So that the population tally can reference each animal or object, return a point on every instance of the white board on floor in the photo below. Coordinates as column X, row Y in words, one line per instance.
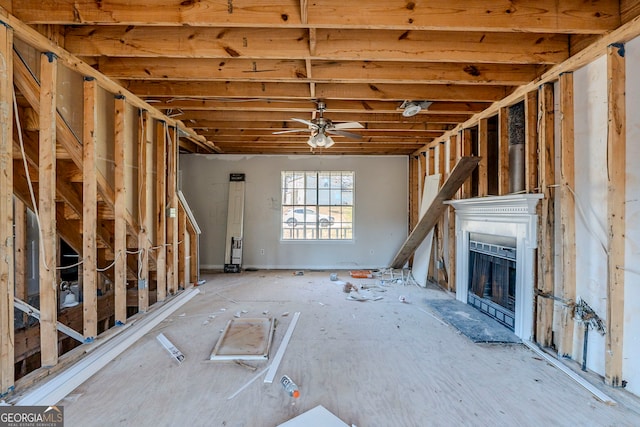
column 421, row 257
column 316, row 417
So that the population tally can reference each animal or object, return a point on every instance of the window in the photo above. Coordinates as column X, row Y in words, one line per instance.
column 317, row 205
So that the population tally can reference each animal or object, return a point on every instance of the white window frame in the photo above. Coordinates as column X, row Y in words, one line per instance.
column 317, row 206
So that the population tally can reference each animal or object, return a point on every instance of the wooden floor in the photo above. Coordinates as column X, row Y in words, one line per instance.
column 375, row 363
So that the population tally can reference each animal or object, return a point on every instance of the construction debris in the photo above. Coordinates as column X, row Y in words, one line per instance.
column 361, row 274
column 172, row 349
column 363, row 296
column 348, row 287
column 244, row 339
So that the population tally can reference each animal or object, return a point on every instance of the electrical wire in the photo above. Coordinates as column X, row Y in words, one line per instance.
column 29, row 183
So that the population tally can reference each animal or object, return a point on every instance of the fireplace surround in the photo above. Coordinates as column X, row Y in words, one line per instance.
column 512, row 216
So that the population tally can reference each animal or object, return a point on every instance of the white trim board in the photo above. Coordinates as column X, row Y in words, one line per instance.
column 283, row 347
column 54, row 390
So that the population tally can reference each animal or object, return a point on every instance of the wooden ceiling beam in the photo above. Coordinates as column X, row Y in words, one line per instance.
column 567, row 16
column 206, row 125
column 176, row 105
column 345, row 45
column 297, row 70
column 231, row 133
column 273, row 116
column 300, row 91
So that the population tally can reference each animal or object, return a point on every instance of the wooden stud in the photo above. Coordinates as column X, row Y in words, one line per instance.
column 530, row 141
column 89, row 212
column 172, row 221
column 414, row 189
column 194, row 261
column 454, row 153
column 143, row 242
column 567, row 214
column 616, row 164
column 466, row 141
column 503, row 151
column 429, row 168
column 20, row 219
column 182, row 247
column 120, row 224
column 483, row 150
column 161, row 210
column 546, row 232
column 7, row 374
column 47, row 211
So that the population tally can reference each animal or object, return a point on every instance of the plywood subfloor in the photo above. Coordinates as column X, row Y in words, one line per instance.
column 373, row 363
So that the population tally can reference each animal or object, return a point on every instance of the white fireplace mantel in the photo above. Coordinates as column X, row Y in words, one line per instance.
column 510, row 216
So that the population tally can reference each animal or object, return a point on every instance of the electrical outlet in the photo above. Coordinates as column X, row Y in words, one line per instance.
column 261, row 251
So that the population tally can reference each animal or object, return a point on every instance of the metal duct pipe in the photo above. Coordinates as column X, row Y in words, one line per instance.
column 516, row 127
column 516, row 168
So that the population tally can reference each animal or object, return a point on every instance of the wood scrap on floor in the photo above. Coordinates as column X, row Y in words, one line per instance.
column 244, row 339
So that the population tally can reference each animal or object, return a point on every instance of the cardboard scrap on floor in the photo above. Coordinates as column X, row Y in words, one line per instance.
column 244, row 339
column 316, row 417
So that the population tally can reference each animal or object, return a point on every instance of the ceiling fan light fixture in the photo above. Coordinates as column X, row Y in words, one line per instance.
column 321, row 139
column 312, row 141
column 411, row 108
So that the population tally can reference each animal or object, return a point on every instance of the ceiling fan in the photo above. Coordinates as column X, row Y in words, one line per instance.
column 321, row 128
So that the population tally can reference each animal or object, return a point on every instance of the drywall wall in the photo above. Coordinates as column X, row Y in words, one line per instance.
column 590, row 106
column 380, row 213
column 631, row 350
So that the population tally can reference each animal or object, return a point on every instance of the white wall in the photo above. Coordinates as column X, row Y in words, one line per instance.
column 631, row 350
column 380, row 212
column 590, row 103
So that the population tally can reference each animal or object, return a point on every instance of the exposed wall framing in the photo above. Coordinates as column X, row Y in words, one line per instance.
column 567, row 287
column 86, row 177
column 616, row 150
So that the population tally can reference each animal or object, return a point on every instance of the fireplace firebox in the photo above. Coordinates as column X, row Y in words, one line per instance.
column 492, row 277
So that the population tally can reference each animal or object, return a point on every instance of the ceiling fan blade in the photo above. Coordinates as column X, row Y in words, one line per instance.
column 290, row 131
column 306, row 122
column 343, row 133
column 347, row 125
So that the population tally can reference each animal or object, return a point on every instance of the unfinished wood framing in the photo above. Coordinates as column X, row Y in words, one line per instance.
column 531, row 141
column 143, row 214
column 567, row 213
column 194, row 253
column 6, row 210
column 20, row 220
column 182, row 251
column 483, row 149
column 89, row 212
column 451, row 231
column 172, row 208
column 616, row 202
column 161, row 209
column 120, row 226
column 414, row 188
column 441, row 159
column 503, row 151
column 47, row 211
column 546, row 231
column 465, row 142
column 458, row 176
